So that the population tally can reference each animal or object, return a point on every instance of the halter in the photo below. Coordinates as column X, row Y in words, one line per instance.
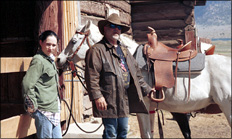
column 73, row 68
column 86, row 37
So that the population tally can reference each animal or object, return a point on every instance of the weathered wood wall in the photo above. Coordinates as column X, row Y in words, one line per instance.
column 21, row 24
column 70, row 23
column 170, row 19
column 16, row 40
column 98, row 10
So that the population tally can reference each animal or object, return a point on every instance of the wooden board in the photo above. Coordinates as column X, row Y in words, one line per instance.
column 123, row 5
column 10, row 110
column 170, row 19
column 165, row 8
column 14, row 64
column 98, row 9
column 191, row 36
column 142, row 17
column 17, row 127
column 159, row 24
column 92, row 8
column 160, row 33
column 70, row 19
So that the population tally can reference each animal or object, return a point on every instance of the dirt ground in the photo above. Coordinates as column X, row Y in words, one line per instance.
column 202, row 126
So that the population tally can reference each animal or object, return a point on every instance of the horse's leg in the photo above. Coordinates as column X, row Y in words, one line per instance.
column 221, row 82
column 225, row 106
column 144, row 121
column 223, row 99
column 182, row 120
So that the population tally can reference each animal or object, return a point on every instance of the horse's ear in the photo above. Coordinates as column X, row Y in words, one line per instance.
column 87, row 25
column 83, row 29
column 80, row 28
column 77, row 30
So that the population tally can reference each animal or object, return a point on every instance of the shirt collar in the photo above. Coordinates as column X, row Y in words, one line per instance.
column 44, row 55
column 110, row 45
column 124, row 49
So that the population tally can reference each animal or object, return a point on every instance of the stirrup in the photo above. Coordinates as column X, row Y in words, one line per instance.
column 157, row 99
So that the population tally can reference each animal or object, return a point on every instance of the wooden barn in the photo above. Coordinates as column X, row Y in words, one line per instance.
column 172, row 20
column 22, row 21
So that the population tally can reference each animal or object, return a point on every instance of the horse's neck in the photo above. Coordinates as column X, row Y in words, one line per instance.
column 95, row 34
column 129, row 43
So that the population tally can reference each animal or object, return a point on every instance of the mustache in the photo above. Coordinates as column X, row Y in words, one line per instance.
column 116, row 36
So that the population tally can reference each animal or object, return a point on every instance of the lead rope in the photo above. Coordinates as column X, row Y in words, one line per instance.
column 161, row 134
column 74, row 73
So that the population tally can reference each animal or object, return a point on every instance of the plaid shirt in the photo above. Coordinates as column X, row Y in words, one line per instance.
column 54, row 118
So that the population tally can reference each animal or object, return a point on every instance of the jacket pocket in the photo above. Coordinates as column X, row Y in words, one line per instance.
column 109, row 74
column 48, row 78
column 50, row 73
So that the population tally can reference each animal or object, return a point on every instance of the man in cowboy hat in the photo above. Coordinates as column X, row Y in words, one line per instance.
column 114, row 81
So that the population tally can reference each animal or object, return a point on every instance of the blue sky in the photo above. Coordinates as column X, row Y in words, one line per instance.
column 214, row 12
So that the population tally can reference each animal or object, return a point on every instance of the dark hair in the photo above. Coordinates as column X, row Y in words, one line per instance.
column 43, row 36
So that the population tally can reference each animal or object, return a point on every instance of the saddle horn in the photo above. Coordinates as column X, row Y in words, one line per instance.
column 151, row 29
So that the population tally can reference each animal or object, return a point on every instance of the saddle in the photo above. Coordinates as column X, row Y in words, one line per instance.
column 163, row 57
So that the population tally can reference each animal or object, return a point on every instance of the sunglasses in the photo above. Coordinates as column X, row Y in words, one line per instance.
column 115, row 26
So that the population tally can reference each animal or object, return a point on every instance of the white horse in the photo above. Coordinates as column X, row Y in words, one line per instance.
column 213, row 85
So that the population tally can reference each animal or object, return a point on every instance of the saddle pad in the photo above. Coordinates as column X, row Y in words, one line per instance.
column 197, row 64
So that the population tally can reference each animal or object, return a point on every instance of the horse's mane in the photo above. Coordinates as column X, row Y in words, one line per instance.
column 129, row 43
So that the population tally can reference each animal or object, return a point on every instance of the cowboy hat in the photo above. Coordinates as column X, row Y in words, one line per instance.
column 114, row 19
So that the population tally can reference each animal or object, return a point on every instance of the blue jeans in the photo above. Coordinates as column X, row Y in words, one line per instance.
column 115, row 127
column 44, row 128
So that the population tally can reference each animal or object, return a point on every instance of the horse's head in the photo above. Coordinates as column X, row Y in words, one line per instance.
column 84, row 37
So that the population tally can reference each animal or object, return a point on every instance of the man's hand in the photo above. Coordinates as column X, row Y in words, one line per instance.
column 30, row 110
column 101, row 103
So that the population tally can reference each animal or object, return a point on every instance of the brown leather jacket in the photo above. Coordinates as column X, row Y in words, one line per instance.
column 103, row 77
